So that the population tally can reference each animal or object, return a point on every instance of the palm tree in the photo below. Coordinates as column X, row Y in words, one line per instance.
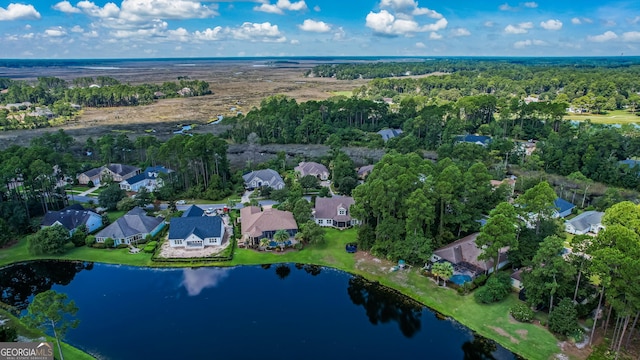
column 442, row 270
column 280, row 237
column 446, row 272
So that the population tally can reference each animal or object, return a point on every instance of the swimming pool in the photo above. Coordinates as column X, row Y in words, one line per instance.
column 460, row 279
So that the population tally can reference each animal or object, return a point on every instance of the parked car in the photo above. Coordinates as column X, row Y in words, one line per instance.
column 180, row 202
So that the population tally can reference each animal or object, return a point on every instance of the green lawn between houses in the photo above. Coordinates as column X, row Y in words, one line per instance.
column 492, row 321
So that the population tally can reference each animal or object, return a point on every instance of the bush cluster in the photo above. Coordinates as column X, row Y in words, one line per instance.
column 498, row 287
column 522, row 312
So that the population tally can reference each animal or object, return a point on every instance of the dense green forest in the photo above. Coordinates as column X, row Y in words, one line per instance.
column 99, row 92
column 563, row 147
column 31, row 176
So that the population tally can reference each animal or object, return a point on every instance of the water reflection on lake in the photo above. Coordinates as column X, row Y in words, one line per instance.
column 195, row 280
column 286, row 311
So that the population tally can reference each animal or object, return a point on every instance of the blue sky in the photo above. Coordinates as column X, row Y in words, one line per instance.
column 193, row 28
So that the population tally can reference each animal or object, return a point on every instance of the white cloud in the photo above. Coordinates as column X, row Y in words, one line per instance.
column 631, row 36
column 578, row 21
column 530, row 4
column 315, row 26
column 66, row 7
column 339, row 34
column 90, row 34
column 460, row 32
column 420, row 45
column 19, row 12
column 55, row 32
column 635, row 20
column 505, row 7
column 408, row 8
column 109, row 10
column 551, row 24
column 280, row 6
column 295, row 42
column 525, row 43
column 264, row 32
column 489, row 24
column 77, row 29
column 435, row 36
column 144, row 10
column 606, row 36
column 384, row 23
column 316, row 8
column 521, row 28
column 217, row 33
column 28, row 36
column 609, row 23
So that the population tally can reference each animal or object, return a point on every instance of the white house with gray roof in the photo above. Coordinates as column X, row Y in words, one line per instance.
column 263, row 178
column 334, row 212
column 196, row 232
column 587, row 222
column 133, row 226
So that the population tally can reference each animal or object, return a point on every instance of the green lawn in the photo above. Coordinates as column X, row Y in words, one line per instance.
column 613, row 117
column 492, row 321
column 68, row 351
column 115, row 215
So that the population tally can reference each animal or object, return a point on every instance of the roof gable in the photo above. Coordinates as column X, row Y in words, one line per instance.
column 563, row 205
column 311, row 168
column 203, row 227
column 327, row 208
column 265, row 175
column 70, row 217
column 466, row 250
column 193, row 211
column 136, row 221
column 256, row 222
column 584, row 221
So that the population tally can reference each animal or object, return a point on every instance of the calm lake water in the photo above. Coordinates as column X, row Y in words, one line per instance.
column 269, row 312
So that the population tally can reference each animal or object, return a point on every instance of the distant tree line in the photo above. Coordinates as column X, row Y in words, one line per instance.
column 99, row 92
column 594, row 84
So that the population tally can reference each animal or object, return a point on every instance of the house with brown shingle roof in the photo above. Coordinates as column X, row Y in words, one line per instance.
column 257, row 224
column 363, row 171
column 463, row 254
column 334, row 212
column 312, row 168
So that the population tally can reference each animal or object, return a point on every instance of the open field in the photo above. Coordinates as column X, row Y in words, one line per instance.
column 239, row 85
column 613, row 117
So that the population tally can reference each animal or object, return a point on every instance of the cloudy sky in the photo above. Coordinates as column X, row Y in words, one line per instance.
column 197, row 28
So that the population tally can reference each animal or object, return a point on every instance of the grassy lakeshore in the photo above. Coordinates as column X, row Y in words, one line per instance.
column 492, row 321
column 68, row 351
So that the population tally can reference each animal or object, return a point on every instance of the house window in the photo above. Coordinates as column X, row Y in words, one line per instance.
column 178, row 242
column 342, row 211
column 321, row 222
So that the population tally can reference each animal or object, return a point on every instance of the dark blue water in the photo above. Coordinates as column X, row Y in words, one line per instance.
column 271, row 312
